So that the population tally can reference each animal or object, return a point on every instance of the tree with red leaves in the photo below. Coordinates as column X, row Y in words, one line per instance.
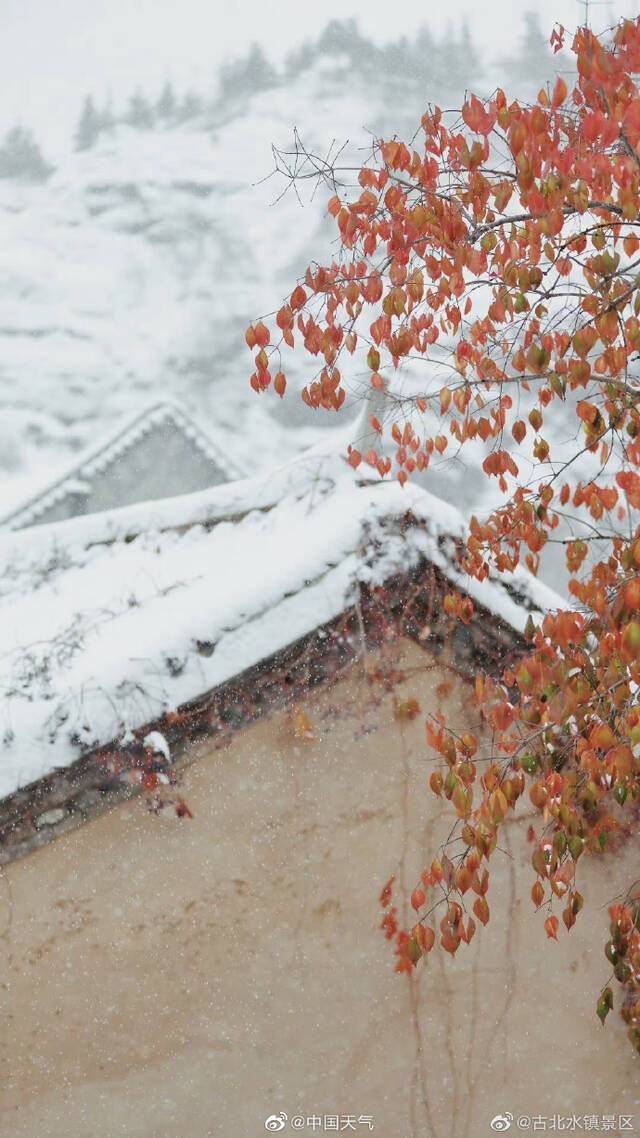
column 504, row 244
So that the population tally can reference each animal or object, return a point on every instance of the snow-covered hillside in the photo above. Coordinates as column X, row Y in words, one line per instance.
column 134, row 270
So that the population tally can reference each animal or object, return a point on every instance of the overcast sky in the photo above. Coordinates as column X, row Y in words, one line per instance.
column 54, row 51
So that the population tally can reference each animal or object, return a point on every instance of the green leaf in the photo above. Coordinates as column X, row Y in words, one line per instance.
column 560, row 843
column 611, row 952
column 604, row 1005
column 620, row 793
column 414, row 952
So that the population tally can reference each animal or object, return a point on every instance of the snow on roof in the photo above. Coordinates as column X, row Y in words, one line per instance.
column 109, row 466
column 110, row 621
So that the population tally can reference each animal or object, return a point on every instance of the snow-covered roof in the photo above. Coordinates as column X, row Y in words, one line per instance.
column 158, row 453
column 109, row 621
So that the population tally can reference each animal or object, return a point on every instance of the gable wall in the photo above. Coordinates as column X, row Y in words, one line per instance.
column 163, row 462
column 183, row 979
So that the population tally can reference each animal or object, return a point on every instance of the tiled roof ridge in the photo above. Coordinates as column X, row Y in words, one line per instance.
column 66, row 797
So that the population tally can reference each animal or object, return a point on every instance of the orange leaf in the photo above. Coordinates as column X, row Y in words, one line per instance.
column 537, row 894
column 477, row 118
column 418, row 898
column 481, row 909
column 298, row 298
column 408, row 709
column 551, row 926
column 467, row 934
column 425, row 937
column 519, row 430
column 262, row 334
column 630, row 483
column 302, row 728
column 385, row 896
column 559, row 93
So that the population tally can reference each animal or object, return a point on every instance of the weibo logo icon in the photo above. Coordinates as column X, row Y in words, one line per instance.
column 276, row 1122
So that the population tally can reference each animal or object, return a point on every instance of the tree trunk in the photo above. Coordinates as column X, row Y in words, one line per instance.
column 365, row 437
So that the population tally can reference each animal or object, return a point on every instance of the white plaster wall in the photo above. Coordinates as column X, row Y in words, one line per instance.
column 184, row 979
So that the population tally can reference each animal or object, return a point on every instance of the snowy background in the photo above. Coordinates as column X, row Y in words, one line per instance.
column 138, row 233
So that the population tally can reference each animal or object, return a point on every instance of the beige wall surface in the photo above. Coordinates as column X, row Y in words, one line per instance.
column 166, row 978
